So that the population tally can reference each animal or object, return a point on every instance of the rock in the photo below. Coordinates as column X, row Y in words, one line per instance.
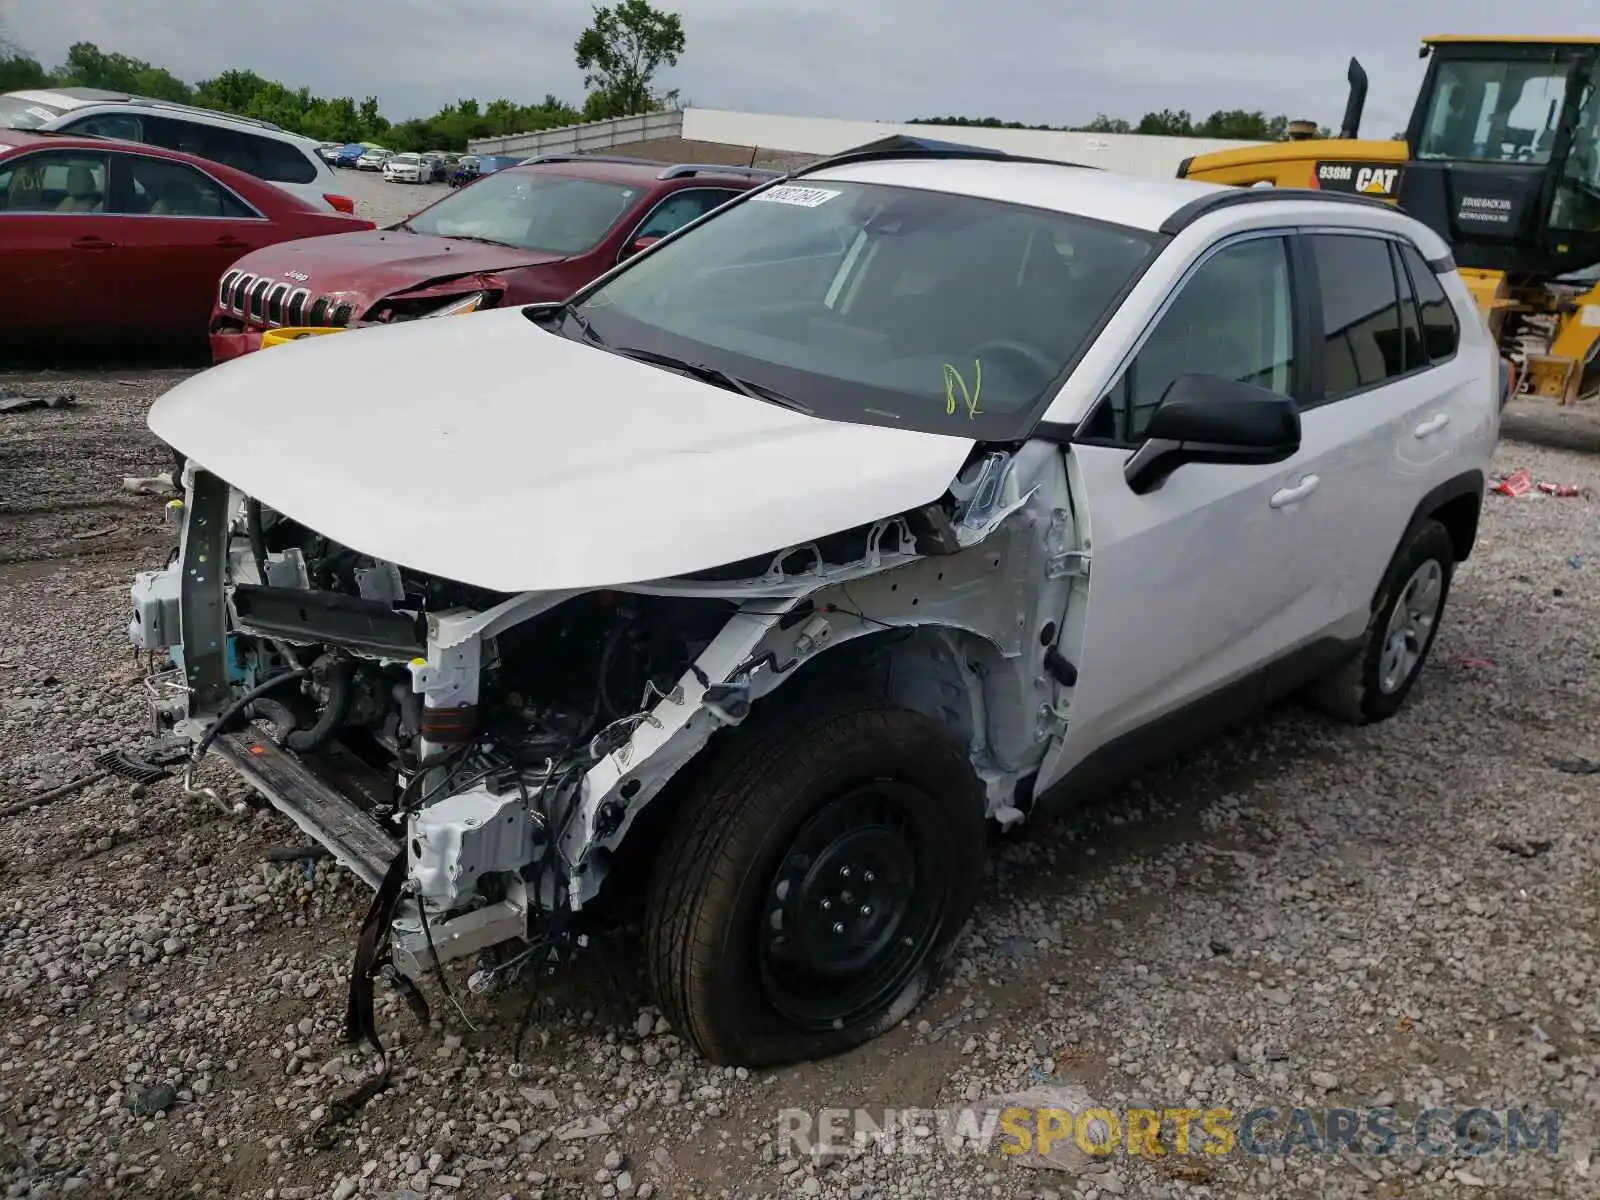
column 582, row 1128
column 155, row 1100
column 346, row 1188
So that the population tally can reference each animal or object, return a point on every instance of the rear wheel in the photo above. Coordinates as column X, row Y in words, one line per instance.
column 812, row 883
column 1373, row 685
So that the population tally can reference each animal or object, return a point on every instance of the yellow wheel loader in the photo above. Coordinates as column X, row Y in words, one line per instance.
column 1502, row 159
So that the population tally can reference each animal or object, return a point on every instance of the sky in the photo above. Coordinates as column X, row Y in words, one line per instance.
column 1036, row 61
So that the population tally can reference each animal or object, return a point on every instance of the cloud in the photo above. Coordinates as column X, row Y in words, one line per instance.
column 1027, row 60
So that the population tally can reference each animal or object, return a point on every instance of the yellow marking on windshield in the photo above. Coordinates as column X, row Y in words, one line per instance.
column 969, row 399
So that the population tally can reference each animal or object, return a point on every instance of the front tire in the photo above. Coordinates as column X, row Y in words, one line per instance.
column 1374, row 684
column 812, row 883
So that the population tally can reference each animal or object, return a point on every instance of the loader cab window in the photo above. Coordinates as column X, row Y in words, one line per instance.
column 1483, row 111
column 1576, row 207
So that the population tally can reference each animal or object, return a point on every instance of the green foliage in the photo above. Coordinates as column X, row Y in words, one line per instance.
column 329, row 119
column 620, row 54
column 1232, row 125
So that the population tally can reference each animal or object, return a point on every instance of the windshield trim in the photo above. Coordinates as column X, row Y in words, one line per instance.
column 1025, row 422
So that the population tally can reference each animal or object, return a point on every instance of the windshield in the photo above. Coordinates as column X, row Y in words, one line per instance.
column 1493, row 111
column 407, row 158
column 17, row 113
column 532, row 210
column 884, row 305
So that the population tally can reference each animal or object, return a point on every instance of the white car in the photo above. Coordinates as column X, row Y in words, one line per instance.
column 374, row 160
column 898, row 500
column 256, row 147
column 407, row 168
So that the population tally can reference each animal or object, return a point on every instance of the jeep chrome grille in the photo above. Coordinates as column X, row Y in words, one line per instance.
column 261, row 300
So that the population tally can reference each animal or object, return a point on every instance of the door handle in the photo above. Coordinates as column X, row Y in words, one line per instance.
column 1432, row 425
column 228, row 242
column 90, row 242
column 1287, row 496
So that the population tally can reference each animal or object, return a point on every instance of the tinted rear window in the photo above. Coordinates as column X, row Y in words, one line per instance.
column 1362, row 338
column 264, row 157
column 1441, row 334
column 282, row 162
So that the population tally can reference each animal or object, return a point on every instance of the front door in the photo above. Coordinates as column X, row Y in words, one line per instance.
column 1199, row 583
column 61, row 248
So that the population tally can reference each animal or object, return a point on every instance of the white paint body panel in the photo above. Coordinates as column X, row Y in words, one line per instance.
column 546, row 464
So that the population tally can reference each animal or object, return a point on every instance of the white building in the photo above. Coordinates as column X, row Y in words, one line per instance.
column 765, row 135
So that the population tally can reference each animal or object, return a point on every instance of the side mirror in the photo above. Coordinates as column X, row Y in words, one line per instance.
column 640, row 243
column 1202, row 418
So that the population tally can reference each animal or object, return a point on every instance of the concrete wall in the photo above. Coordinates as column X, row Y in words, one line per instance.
column 584, row 139
column 773, row 139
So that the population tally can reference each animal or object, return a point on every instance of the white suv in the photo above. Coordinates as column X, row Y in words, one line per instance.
column 902, row 498
column 256, row 147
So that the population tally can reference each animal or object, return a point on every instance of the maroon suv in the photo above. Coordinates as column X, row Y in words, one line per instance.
column 529, row 233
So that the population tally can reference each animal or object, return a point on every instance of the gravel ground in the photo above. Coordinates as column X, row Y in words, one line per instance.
column 1305, row 914
column 378, row 200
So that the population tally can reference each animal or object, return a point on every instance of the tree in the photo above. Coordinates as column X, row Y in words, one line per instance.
column 620, row 54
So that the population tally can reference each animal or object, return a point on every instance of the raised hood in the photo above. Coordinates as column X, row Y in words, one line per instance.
column 485, row 450
column 378, row 262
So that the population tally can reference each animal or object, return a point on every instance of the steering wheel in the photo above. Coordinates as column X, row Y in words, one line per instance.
column 1015, row 350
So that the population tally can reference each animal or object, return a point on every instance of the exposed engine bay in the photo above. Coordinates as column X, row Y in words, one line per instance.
column 480, row 756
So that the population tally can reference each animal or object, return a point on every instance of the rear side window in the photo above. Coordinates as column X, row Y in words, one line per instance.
column 1441, row 332
column 173, row 189
column 226, row 146
column 281, row 162
column 1363, row 341
column 1412, row 355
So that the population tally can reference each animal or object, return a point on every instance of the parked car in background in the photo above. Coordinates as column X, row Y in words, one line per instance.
column 373, row 159
column 534, row 232
column 328, row 152
column 258, row 148
column 900, row 503
column 437, row 168
column 349, row 154
column 407, row 168
column 109, row 242
column 465, row 170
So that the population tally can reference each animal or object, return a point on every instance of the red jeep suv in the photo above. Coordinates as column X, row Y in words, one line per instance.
column 534, row 232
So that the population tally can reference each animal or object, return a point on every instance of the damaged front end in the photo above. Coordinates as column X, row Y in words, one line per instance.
column 484, row 755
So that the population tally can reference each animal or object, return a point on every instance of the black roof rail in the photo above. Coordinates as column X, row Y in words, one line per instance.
column 901, row 146
column 1231, row 197
column 680, row 170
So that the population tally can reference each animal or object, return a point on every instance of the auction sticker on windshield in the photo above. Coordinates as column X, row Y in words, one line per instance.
column 803, row 196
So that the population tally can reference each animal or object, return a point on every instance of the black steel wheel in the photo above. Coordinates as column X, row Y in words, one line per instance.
column 812, row 881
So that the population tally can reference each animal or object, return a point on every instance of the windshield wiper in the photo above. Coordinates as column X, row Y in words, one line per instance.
column 403, row 227
column 719, row 377
column 472, row 237
column 583, row 323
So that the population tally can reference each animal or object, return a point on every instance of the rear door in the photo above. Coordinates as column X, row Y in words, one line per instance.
column 61, row 249
column 1380, row 427
column 1199, row 584
column 184, row 229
